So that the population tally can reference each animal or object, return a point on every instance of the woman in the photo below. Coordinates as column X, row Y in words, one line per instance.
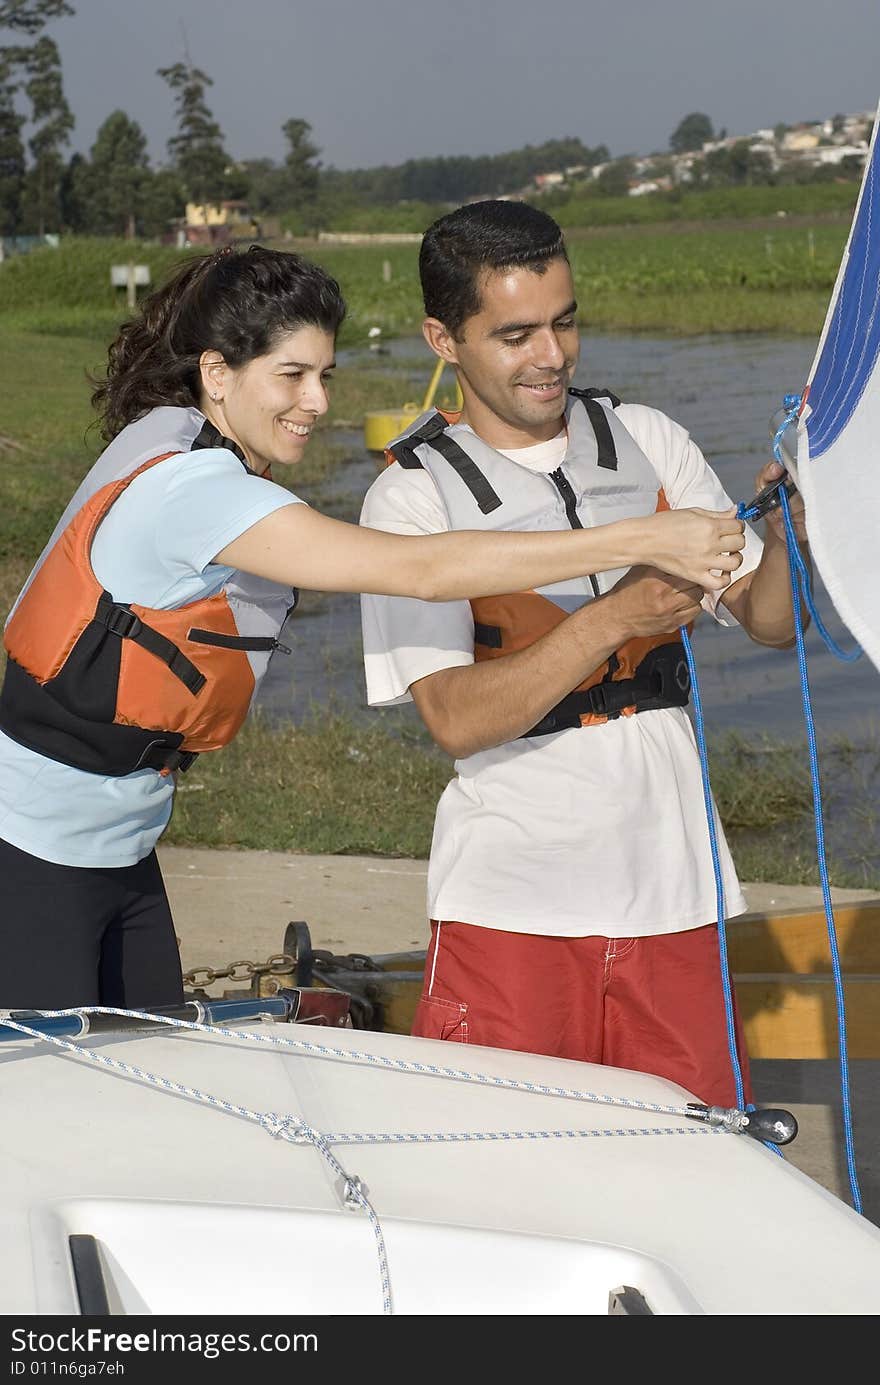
column 142, row 633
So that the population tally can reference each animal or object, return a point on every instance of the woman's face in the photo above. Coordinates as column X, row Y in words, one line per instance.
column 270, row 406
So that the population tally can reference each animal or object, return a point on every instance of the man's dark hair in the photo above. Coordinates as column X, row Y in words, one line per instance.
column 481, row 236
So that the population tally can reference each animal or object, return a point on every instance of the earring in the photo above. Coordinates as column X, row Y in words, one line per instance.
column 215, row 397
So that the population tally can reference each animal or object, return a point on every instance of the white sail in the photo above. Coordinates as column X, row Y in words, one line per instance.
column 838, row 450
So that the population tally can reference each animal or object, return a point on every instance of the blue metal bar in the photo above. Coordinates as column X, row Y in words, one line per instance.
column 78, row 1024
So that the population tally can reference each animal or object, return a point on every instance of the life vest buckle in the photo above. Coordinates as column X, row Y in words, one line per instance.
column 121, row 621
column 609, row 699
column 430, row 429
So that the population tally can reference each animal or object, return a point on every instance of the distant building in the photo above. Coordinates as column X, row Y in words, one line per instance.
column 836, row 153
column 549, row 180
column 800, row 139
column 216, row 223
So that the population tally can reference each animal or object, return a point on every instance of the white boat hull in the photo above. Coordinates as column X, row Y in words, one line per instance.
column 198, row 1211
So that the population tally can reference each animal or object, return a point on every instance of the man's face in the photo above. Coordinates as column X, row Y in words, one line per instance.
column 517, row 355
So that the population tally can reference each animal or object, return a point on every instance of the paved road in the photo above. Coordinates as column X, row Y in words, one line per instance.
column 236, row 904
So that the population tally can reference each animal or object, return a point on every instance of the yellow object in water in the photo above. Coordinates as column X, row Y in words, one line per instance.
column 382, row 425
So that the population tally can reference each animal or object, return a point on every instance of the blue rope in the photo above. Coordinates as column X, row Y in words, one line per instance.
column 721, row 910
column 792, row 403
column 796, row 568
column 801, row 587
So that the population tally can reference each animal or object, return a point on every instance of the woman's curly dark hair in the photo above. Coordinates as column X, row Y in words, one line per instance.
column 234, row 302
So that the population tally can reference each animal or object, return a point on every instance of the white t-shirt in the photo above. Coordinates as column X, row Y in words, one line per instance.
column 155, row 548
column 597, row 830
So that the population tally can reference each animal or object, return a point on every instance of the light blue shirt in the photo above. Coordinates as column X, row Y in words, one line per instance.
column 155, row 547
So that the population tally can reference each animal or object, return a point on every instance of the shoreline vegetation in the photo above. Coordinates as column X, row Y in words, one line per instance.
column 314, row 786
column 756, row 275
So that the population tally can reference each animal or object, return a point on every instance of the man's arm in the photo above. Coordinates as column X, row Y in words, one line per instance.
column 761, row 601
column 471, row 708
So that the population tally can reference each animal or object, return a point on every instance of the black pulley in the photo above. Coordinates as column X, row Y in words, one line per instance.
column 773, row 1125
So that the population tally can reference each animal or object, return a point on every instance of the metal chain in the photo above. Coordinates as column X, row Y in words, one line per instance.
column 278, row 964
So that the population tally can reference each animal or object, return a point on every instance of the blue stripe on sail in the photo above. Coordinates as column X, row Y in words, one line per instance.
column 852, row 343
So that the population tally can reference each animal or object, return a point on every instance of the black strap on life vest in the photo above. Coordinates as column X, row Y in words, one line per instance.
column 601, row 428
column 120, row 620
column 662, row 679
column 209, row 436
column 487, row 635
column 31, row 715
column 433, row 432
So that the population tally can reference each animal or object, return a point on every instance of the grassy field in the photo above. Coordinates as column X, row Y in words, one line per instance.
column 316, row 787
column 754, row 277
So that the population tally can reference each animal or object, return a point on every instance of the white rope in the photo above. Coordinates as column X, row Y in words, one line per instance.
column 377, row 1060
column 296, row 1131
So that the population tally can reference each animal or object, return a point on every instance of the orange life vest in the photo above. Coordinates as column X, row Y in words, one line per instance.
column 113, row 687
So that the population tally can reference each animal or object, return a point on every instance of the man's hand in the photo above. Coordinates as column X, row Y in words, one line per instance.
column 651, row 602
column 761, row 601
column 774, row 519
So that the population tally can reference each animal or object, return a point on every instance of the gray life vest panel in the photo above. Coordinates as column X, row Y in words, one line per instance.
column 603, row 477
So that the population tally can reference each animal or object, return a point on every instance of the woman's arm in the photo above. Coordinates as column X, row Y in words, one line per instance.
column 299, row 546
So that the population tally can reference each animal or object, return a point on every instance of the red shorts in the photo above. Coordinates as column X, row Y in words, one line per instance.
column 654, row 1004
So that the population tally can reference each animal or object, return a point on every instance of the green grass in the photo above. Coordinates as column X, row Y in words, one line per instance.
column 331, row 785
column 811, row 201
column 326, row 786
column 764, row 795
column 679, row 279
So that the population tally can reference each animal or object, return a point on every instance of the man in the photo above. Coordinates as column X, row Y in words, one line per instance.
column 571, row 891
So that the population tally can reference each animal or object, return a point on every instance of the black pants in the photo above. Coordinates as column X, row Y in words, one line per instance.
column 83, row 935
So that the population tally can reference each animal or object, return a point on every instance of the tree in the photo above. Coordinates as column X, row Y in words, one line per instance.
column 164, row 199
column 691, row 132
column 615, row 178
column 12, row 161
column 197, row 149
column 739, row 165
column 30, row 16
column 301, row 168
column 53, row 122
column 263, row 179
column 118, row 175
column 36, row 62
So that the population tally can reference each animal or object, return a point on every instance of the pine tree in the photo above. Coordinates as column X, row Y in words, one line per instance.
column 30, row 16
column 301, row 171
column 33, row 198
column 53, row 121
column 118, row 176
column 197, row 149
column 12, row 159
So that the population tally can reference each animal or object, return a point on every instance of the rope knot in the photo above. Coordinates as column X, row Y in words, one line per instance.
column 289, row 1128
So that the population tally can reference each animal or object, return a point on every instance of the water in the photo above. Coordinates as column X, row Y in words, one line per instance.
column 724, row 389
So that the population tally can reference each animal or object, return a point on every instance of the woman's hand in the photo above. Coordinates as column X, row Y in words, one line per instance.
column 702, row 546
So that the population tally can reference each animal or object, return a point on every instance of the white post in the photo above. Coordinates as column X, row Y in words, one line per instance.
column 129, row 285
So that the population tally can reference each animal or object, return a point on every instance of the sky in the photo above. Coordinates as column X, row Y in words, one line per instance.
column 382, row 81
